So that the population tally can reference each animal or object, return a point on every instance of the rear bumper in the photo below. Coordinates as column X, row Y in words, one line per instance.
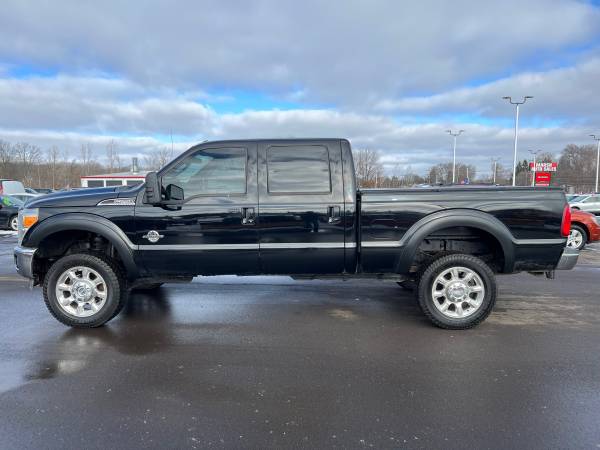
column 568, row 259
column 24, row 261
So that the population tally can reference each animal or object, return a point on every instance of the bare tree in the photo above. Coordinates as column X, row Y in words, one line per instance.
column 7, row 155
column 158, row 158
column 114, row 161
column 369, row 169
column 86, row 153
column 53, row 163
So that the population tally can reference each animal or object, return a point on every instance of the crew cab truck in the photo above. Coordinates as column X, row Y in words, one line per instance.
column 250, row 207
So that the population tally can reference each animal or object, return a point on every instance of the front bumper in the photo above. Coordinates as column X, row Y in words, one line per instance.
column 568, row 259
column 24, row 261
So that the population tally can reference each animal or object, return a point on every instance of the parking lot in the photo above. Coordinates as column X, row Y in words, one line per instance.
column 272, row 362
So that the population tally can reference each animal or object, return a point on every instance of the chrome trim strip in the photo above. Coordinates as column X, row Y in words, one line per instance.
column 268, row 245
column 200, row 247
column 539, row 241
column 275, row 245
column 126, row 201
column 388, row 244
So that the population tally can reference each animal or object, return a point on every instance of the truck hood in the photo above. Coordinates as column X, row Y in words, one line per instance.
column 80, row 197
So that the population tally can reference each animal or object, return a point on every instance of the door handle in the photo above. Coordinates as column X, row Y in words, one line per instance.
column 334, row 214
column 248, row 217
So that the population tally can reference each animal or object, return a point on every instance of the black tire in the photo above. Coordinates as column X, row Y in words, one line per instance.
column 13, row 223
column 583, row 234
column 116, row 289
column 437, row 267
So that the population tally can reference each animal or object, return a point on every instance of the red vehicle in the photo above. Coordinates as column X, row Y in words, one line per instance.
column 585, row 228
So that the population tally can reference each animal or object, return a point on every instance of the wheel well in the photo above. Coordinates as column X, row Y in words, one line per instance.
column 67, row 242
column 468, row 240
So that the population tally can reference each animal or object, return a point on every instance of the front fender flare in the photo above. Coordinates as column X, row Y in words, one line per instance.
column 86, row 222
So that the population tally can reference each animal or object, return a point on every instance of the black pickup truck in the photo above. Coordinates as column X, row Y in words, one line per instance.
column 288, row 207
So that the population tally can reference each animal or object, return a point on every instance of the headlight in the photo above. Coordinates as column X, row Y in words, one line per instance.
column 596, row 219
column 27, row 218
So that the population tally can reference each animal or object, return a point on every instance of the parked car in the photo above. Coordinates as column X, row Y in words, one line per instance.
column 40, row 190
column 585, row 228
column 25, row 197
column 286, row 207
column 8, row 187
column 588, row 202
column 9, row 211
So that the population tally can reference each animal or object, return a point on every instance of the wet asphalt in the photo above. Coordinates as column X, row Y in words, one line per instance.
column 269, row 362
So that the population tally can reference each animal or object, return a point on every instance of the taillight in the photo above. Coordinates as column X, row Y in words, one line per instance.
column 565, row 227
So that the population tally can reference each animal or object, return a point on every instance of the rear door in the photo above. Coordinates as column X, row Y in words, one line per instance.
column 300, row 207
column 215, row 231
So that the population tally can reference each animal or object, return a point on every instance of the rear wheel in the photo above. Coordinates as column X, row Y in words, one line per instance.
column 84, row 291
column 577, row 237
column 457, row 291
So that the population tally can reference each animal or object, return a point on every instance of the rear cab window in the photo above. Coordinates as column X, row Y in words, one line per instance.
column 300, row 169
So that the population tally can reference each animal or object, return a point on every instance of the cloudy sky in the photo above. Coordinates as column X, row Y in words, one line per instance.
column 388, row 75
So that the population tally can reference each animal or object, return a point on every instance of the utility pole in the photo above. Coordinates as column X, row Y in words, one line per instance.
column 597, row 139
column 454, row 135
column 495, row 161
column 517, row 104
column 533, row 172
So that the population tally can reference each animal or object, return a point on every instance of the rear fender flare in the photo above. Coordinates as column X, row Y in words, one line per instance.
column 454, row 218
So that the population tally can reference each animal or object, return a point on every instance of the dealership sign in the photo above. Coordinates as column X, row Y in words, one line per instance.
column 542, row 178
column 543, row 167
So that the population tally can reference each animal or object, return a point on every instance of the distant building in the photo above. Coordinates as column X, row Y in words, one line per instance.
column 113, row 179
column 131, row 178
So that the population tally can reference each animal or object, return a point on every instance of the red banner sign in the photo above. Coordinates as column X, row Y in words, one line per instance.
column 543, row 178
column 543, row 167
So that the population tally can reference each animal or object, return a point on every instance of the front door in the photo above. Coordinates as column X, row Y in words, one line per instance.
column 215, row 232
column 301, row 205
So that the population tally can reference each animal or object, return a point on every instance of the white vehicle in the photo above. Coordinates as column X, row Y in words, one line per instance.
column 587, row 202
column 9, row 187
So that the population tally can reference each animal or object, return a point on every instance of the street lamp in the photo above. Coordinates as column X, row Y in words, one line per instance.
column 517, row 104
column 454, row 134
column 495, row 161
column 597, row 138
column 533, row 172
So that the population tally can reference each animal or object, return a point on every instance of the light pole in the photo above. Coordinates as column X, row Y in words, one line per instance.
column 454, row 134
column 597, row 139
column 517, row 104
column 533, row 172
column 495, row 161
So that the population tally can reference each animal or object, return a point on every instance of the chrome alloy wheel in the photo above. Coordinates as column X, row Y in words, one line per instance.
column 575, row 238
column 458, row 292
column 81, row 291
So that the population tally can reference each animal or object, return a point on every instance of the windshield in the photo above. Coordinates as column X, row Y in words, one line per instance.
column 578, row 198
column 11, row 201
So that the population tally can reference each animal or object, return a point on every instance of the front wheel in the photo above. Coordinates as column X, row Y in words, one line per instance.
column 13, row 223
column 577, row 237
column 84, row 291
column 457, row 291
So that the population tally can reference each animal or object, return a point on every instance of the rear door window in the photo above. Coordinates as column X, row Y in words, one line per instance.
column 299, row 169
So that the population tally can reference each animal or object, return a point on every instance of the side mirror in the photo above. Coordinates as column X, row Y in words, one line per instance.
column 153, row 191
column 174, row 193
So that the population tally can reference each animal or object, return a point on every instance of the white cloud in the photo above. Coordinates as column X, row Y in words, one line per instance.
column 345, row 53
